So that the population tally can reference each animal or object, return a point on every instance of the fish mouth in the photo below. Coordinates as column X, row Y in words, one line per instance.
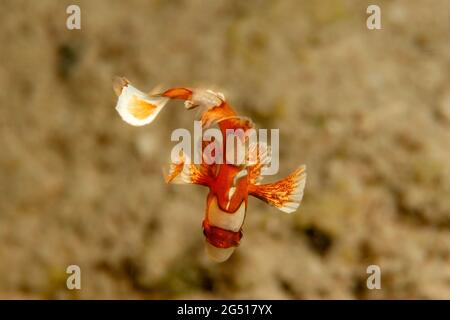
column 226, row 220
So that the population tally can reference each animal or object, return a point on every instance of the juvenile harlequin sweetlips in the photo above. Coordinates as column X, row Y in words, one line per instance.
column 229, row 184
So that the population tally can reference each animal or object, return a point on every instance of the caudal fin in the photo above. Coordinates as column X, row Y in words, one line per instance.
column 134, row 106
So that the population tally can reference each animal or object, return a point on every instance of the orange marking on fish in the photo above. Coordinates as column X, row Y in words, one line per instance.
column 178, row 93
column 140, row 108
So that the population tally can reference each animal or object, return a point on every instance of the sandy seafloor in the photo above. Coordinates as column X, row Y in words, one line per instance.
column 368, row 112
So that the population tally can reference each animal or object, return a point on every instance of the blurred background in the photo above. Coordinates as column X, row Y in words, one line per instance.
column 368, row 111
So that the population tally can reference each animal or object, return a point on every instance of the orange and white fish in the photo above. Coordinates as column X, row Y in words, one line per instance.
column 229, row 184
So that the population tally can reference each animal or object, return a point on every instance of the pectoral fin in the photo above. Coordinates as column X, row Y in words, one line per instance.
column 285, row 194
column 185, row 172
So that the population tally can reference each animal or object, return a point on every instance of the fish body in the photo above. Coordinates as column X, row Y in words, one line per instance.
column 229, row 183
